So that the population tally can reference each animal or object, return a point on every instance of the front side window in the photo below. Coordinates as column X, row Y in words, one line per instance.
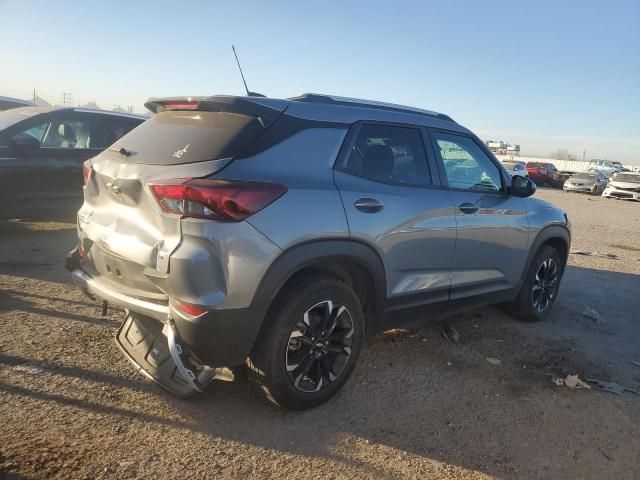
column 466, row 165
column 389, row 154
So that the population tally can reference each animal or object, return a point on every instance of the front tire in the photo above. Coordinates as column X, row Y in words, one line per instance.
column 540, row 288
column 310, row 343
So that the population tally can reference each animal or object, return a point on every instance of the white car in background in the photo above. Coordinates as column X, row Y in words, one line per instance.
column 516, row 167
column 624, row 185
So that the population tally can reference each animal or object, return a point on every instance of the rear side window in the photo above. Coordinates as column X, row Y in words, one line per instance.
column 174, row 137
column 466, row 165
column 389, row 154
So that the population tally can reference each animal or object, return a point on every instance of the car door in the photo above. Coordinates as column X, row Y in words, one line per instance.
column 46, row 181
column 492, row 226
column 392, row 203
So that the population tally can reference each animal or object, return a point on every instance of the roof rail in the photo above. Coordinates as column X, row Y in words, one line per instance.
column 357, row 102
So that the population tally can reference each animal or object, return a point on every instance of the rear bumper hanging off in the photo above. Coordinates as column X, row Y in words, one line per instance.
column 155, row 349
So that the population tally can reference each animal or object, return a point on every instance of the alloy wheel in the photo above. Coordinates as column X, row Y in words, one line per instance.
column 319, row 346
column 545, row 285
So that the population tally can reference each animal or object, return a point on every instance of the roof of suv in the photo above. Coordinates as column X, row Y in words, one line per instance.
column 361, row 103
column 316, row 107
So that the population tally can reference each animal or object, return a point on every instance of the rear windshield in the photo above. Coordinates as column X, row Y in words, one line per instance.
column 175, row 137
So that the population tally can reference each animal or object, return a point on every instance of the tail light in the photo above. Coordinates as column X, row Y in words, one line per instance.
column 222, row 200
column 86, row 171
column 181, row 105
column 189, row 309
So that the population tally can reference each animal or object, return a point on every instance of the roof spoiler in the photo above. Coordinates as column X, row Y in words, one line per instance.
column 249, row 106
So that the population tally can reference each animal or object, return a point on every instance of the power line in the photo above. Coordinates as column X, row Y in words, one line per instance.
column 66, row 98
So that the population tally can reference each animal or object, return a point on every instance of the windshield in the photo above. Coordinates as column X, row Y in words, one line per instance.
column 617, row 164
column 512, row 165
column 627, row 178
column 15, row 115
column 584, row 176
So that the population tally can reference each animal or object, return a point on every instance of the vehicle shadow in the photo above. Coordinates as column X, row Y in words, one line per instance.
column 36, row 249
column 415, row 394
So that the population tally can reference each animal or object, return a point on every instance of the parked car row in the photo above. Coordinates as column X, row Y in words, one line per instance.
column 603, row 177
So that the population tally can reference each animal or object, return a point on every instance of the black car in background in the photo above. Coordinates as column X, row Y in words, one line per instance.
column 42, row 150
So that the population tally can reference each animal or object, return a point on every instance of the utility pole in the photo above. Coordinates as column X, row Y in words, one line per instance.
column 34, row 94
column 66, row 98
column 584, row 155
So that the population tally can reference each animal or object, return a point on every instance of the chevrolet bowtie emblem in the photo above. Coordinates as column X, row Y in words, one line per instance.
column 113, row 187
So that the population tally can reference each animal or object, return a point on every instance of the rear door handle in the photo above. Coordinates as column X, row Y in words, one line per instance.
column 368, row 205
column 468, row 208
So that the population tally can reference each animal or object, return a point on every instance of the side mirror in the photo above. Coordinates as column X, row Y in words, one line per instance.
column 522, row 187
column 23, row 144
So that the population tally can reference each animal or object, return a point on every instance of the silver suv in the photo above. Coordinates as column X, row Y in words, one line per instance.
column 279, row 233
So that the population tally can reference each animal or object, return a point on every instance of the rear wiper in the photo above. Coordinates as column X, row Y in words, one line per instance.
column 121, row 151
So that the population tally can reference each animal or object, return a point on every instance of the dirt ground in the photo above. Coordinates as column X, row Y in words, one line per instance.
column 417, row 406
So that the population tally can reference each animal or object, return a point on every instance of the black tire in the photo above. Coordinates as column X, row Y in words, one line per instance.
column 281, row 343
column 528, row 305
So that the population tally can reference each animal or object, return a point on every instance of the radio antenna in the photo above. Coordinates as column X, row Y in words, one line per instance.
column 240, row 68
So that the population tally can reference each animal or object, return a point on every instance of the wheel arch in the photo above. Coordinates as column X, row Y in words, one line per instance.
column 557, row 236
column 354, row 262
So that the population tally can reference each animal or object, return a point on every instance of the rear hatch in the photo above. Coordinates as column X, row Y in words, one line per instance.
column 125, row 234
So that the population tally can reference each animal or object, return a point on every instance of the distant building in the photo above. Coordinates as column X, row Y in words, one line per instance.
column 503, row 148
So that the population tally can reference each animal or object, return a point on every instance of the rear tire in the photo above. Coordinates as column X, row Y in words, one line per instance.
column 540, row 288
column 309, row 344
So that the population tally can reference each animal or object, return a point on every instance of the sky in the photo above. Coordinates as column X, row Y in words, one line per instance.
column 548, row 75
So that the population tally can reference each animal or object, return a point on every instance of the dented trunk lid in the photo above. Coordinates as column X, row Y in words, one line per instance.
column 127, row 239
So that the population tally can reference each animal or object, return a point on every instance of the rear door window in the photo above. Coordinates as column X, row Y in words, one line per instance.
column 175, row 136
column 389, row 154
column 75, row 131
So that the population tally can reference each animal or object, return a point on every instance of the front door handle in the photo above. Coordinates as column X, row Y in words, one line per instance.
column 468, row 208
column 368, row 205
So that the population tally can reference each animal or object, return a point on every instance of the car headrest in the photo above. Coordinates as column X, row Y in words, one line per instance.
column 66, row 132
column 379, row 162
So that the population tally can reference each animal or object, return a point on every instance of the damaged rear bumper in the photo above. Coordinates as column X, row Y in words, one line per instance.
column 151, row 337
column 98, row 289
column 156, row 351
